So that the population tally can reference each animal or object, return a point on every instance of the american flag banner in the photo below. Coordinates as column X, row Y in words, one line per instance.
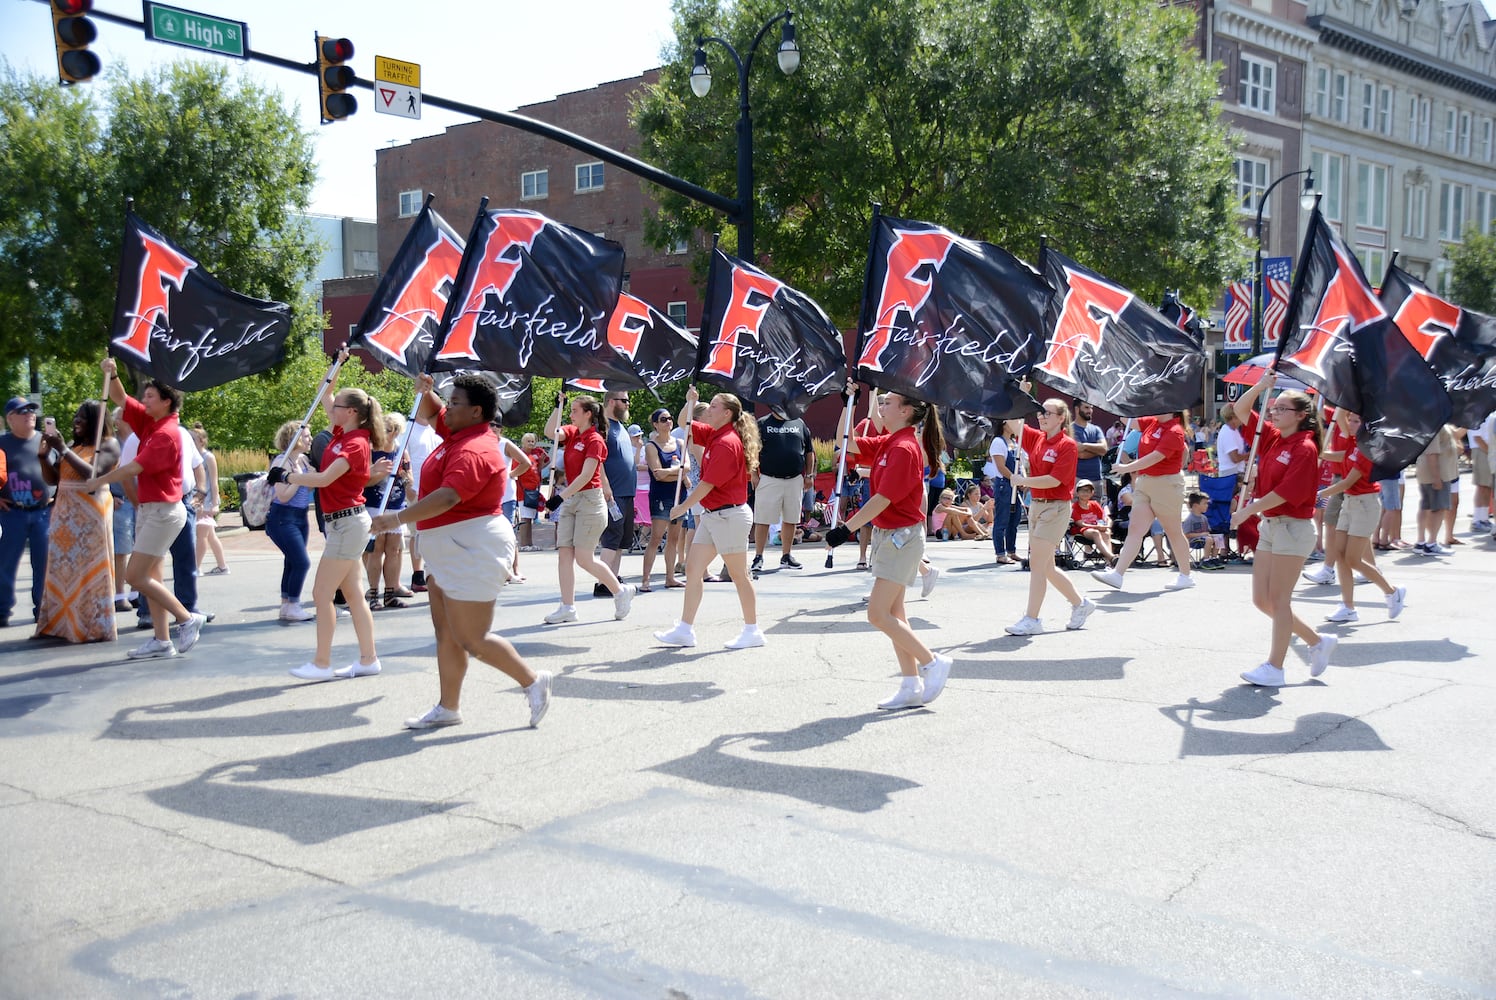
column 1239, row 317
column 1278, row 275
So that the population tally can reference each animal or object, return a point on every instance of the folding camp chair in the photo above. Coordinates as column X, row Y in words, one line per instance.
column 1221, row 490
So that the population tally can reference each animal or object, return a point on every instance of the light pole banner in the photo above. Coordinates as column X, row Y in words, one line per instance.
column 1277, row 273
column 1238, row 328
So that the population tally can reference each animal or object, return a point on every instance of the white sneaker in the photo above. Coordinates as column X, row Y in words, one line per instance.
column 1435, row 549
column 1324, row 576
column 189, row 630
column 681, row 635
column 911, row 694
column 1026, row 626
column 1342, row 614
column 1361, row 578
column 1109, row 577
column 751, row 637
column 1080, row 613
column 357, row 669
column 153, row 649
column 1395, row 601
column 933, row 675
column 438, row 716
column 1319, row 654
column 564, row 613
column 539, row 696
column 623, row 600
column 312, row 672
column 1181, row 582
column 1266, row 675
column 928, row 583
column 296, row 613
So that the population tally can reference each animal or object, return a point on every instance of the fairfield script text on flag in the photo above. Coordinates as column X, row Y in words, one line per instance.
column 179, row 324
column 661, row 351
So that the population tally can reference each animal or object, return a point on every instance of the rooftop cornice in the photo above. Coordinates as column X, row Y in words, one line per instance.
column 1348, row 38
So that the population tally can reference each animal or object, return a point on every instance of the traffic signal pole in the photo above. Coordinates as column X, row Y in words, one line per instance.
column 622, row 161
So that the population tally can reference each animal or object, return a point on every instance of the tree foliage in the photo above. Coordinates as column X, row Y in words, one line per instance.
column 1090, row 121
column 217, row 163
column 1473, row 271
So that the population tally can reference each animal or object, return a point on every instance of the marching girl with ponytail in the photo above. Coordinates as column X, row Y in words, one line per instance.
column 729, row 437
column 896, row 511
column 1287, row 482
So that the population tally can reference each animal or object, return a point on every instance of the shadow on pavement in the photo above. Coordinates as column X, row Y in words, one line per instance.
column 835, row 787
column 22, row 704
column 684, row 692
column 127, row 726
column 1095, row 668
column 1351, row 653
column 1318, row 732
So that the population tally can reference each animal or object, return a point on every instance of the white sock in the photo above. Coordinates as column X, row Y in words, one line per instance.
column 1482, row 513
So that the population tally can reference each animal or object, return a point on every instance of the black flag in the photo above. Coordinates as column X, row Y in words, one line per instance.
column 661, row 351
column 400, row 324
column 947, row 319
column 1339, row 339
column 1112, row 350
column 765, row 342
column 515, row 398
column 1459, row 343
column 177, row 323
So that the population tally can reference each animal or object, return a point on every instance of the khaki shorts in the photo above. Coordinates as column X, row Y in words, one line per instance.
column 1048, row 520
column 777, row 501
column 1333, row 506
column 725, row 530
column 1480, row 466
column 1359, row 515
column 347, row 536
column 898, row 564
column 1286, row 536
column 157, row 525
column 469, row 560
column 582, row 520
column 1163, row 493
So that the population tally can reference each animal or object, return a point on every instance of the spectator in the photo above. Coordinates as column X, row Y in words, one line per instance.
column 384, row 552
column 1449, row 470
column 1089, row 520
column 25, row 506
column 287, row 524
column 123, row 493
column 78, row 604
column 787, row 465
column 205, row 523
column 1006, row 507
column 1090, row 443
column 1433, row 492
column 530, row 500
column 1480, row 472
column 623, row 481
column 960, row 521
column 419, row 446
column 663, row 458
column 1231, row 449
column 1197, row 527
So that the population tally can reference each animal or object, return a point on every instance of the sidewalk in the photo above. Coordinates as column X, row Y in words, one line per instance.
column 1100, row 812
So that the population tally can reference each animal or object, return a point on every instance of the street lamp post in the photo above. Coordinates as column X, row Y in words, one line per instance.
column 701, row 83
column 1306, row 202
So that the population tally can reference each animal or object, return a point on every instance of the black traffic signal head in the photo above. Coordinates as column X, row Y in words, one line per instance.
column 333, row 78
column 73, row 33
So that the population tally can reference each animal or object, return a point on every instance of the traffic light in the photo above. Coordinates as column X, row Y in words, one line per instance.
column 333, row 78
column 72, row 32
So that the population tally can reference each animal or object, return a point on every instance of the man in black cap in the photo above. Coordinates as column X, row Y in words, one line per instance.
column 25, row 506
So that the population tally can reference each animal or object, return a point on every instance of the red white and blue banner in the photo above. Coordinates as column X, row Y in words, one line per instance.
column 177, row 323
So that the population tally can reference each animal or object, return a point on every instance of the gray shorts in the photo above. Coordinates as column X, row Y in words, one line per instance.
column 1433, row 497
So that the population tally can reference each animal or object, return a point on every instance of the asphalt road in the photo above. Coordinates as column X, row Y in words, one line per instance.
column 1107, row 812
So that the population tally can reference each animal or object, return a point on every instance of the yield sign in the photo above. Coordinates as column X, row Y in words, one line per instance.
column 397, row 99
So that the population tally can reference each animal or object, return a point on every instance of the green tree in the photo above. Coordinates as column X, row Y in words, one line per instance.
column 1473, row 271
column 216, row 162
column 1091, row 121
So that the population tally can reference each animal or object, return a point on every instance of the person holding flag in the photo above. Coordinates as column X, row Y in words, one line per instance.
column 896, row 510
column 1287, row 483
column 1157, row 493
column 1360, row 510
column 161, row 515
column 1050, row 478
column 469, row 545
column 357, row 429
column 728, row 435
column 583, row 507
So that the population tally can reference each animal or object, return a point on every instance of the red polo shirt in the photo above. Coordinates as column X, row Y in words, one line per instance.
column 1051, row 456
column 1355, row 458
column 348, row 489
column 469, row 462
column 1166, row 436
column 530, row 478
column 1289, row 467
column 160, row 454
column 898, row 472
column 577, row 446
column 722, row 464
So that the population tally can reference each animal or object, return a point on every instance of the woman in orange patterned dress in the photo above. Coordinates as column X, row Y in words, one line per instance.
column 78, row 604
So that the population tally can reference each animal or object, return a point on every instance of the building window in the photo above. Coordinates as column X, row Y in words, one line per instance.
column 1371, row 195
column 1256, row 85
column 1251, row 183
column 1450, row 117
column 1485, row 212
column 589, row 177
column 1485, row 140
column 1462, row 135
column 1384, row 110
column 1340, row 86
column 1415, row 211
column 679, row 247
column 1368, row 105
column 535, row 184
column 677, row 313
column 1451, row 211
column 410, row 203
column 1420, row 116
column 1329, row 178
column 1373, row 264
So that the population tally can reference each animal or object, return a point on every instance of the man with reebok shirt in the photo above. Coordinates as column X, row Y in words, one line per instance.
column 786, row 466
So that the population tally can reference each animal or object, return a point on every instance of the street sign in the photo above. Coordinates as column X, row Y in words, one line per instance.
column 397, row 87
column 196, row 31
